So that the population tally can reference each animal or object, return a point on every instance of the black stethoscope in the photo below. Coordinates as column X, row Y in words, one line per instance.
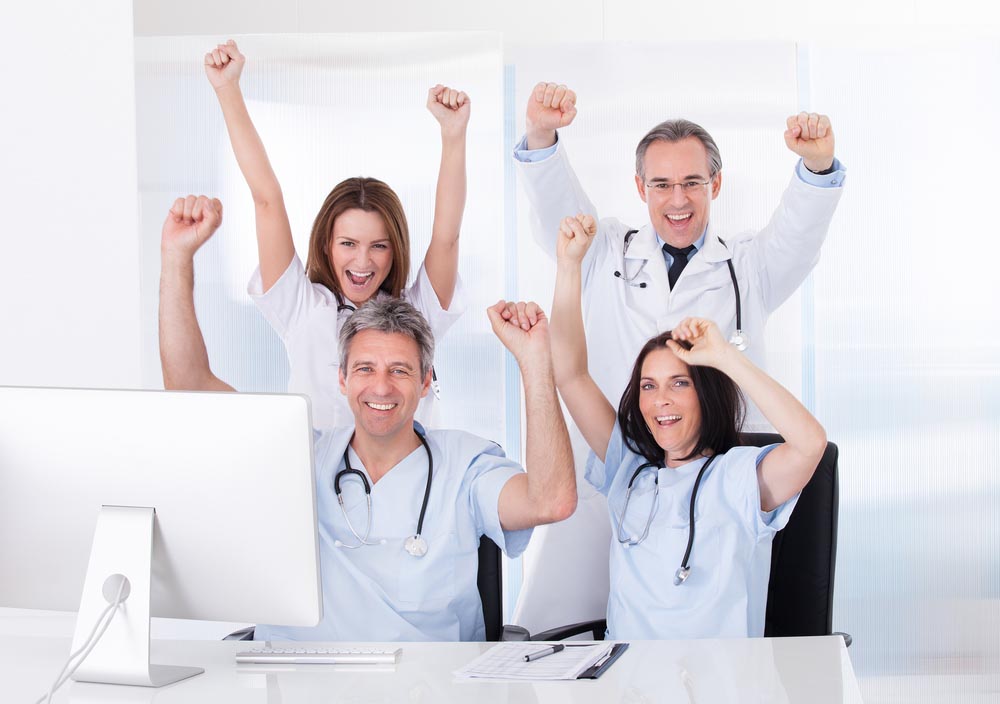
column 435, row 386
column 685, row 569
column 415, row 544
column 739, row 339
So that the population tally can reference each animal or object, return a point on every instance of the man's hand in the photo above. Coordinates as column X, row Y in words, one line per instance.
column 189, row 224
column 524, row 330
column 575, row 237
column 811, row 137
column 550, row 106
column 450, row 107
column 224, row 64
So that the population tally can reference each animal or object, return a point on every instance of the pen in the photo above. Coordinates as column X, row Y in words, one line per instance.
column 542, row 653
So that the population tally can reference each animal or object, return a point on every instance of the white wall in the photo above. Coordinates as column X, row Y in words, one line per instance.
column 69, row 278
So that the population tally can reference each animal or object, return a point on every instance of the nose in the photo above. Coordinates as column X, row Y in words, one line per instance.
column 382, row 383
column 677, row 195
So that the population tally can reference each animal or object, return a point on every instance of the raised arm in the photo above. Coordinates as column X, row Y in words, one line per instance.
column 551, row 186
column 189, row 224
column 451, row 109
column 547, row 493
column 789, row 245
column 275, row 248
column 592, row 412
column 787, row 469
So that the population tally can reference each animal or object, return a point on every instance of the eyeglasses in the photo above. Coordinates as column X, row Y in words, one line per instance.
column 689, row 187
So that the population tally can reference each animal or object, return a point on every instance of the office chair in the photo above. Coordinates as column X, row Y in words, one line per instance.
column 803, row 561
column 489, row 579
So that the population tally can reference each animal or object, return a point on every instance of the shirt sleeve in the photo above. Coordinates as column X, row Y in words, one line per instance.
column 602, row 474
column 288, row 302
column 528, row 156
column 488, row 473
column 421, row 296
column 745, row 464
column 834, row 179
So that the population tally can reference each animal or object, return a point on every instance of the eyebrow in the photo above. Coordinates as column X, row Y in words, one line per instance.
column 352, row 239
column 370, row 363
column 674, row 376
column 689, row 177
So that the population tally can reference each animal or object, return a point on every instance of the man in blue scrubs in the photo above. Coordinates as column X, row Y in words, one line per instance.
column 380, row 581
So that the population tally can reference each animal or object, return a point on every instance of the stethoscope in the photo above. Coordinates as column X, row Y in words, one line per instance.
column 435, row 385
column 739, row 339
column 415, row 544
column 685, row 569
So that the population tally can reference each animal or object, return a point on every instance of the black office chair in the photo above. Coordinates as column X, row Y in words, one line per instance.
column 803, row 561
column 489, row 579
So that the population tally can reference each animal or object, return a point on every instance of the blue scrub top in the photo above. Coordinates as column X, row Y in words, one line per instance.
column 381, row 592
column 726, row 593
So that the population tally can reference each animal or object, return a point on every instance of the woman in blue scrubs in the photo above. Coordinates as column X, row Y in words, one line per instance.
column 677, row 426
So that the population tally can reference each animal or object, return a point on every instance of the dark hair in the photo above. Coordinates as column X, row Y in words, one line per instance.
column 371, row 196
column 719, row 398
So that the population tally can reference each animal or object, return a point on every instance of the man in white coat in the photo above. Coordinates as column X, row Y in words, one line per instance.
column 642, row 280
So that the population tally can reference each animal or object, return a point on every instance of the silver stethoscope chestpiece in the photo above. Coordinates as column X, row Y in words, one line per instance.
column 740, row 340
column 415, row 545
column 681, row 575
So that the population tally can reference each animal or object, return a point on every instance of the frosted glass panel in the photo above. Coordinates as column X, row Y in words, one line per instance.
column 327, row 107
column 908, row 355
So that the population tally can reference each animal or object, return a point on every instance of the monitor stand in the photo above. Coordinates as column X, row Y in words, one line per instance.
column 123, row 546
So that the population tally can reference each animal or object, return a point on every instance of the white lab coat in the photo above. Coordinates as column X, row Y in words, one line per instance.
column 619, row 318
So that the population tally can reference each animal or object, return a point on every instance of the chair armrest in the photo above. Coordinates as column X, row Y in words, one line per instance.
column 597, row 627
column 846, row 636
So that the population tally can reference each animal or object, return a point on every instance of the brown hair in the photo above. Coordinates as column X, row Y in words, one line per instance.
column 371, row 196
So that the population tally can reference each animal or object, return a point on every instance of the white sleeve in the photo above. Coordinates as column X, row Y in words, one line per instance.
column 422, row 297
column 788, row 247
column 554, row 192
column 288, row 302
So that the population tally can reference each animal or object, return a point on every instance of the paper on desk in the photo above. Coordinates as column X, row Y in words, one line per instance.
column 505, row 661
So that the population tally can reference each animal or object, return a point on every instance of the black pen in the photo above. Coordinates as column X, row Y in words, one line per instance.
column 542, row 653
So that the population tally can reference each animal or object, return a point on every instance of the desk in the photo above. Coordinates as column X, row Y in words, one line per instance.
column 782, row 671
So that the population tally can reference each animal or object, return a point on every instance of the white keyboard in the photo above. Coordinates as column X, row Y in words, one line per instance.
column 319, row 656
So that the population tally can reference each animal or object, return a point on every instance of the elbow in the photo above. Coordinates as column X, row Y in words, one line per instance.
column 562, row 506
column 266, row 199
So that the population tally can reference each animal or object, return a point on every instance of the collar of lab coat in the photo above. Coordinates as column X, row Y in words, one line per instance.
column 646, row 245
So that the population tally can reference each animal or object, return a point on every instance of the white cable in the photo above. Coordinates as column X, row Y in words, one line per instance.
column 89, row 644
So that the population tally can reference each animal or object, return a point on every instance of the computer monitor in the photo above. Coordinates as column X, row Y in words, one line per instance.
column 205, row 502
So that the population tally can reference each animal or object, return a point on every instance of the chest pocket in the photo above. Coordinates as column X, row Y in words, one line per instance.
column 429, row 582
column 711, row 536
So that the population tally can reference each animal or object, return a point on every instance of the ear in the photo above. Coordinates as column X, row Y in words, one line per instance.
column 641, row 187
column 425, row 386
column 343, row 380
column 716, row 185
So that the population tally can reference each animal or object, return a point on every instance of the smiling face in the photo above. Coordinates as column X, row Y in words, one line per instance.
column 678, row 215
column 669, row 404
column 382, row 382
column 360, row 253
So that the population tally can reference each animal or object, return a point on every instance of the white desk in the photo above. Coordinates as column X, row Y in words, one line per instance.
column 792, row 670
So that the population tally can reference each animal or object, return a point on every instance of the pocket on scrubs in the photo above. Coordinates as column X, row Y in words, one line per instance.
column 705, row 560
column 429, row 582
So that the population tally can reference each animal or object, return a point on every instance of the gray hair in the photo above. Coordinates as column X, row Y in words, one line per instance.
column 390, row 315
column 675, row 131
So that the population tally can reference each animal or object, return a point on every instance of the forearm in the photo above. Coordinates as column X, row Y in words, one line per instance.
column 441, row 261
column 803, row 434
column 551, row 486
column 569, row 340
column 248, row 147
column 183, row 356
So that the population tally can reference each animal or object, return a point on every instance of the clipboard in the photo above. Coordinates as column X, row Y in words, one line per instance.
column 599, row 668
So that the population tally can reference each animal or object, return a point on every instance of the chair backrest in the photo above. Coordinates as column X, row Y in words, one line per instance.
column 804, row 554
column 490, row 583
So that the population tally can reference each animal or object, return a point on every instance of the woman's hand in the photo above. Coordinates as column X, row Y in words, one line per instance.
column 575, row 237
column 450, row 107
column 708, row 347
column 224, row 64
